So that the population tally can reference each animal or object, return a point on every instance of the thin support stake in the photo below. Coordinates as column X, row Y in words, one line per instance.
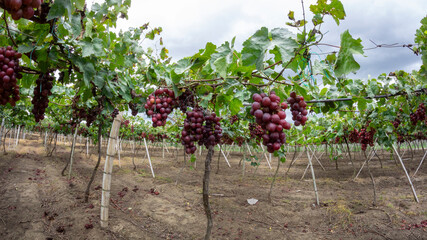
column 265, row 155
column 17, row 136
column 229, row 149
column 248, row 148
column 370, row 156
column 407, row 175
column 1, row 129
column 73, row 145
column 149, row 159
column 314, row 178
column 163, row 149
column 318, row 161
column 419, row 166
column 305, row 171
column 224, row 156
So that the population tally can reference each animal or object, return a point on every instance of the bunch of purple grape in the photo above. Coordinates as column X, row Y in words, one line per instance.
column 159, row 105
column 22, row 8
column 41, row 95
column 298, row 105
column 193, row 130
column 270, row 115
column 212, row 131
column 419, row 115
column 9, row 73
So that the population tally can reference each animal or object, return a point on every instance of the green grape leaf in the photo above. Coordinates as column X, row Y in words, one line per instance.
column 235, row 105
column 79, row 4
column 92, row 47
column 87, row 68
column 193, row 158
column 254, row 48
column 281, row 154
column 283, row 42
column 182, row 66
column 59, row 8
column 203, row 55
column 345, row 61
column 291, row 15
column 362, row 104
column 221, row 60
column 25, row 48
column 280, row 40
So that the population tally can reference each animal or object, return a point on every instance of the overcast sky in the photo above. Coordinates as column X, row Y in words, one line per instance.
column 189, row 24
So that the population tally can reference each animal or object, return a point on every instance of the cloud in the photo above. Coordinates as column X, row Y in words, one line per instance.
column 189, row 24
column 383, row 22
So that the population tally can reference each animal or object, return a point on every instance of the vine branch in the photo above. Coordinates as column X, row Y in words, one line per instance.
column 423, row 91
column 7, row 28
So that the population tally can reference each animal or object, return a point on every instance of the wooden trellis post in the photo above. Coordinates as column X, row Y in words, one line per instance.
column 108, row 169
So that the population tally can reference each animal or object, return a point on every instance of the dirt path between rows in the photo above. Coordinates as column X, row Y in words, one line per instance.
column 36, row 202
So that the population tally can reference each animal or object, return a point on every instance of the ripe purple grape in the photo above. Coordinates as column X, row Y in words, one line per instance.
column 36, row 3
column 256, row 105
column 27, row 12
column 21, row 8
column 257, row 98
column 266, row 102
column 266, row 117
column 275, row 119
column 282, row 114
column 271, row 127
column 259, row 114
column 293, row 95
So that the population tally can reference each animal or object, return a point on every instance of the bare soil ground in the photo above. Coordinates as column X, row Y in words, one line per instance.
column 36, row 202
